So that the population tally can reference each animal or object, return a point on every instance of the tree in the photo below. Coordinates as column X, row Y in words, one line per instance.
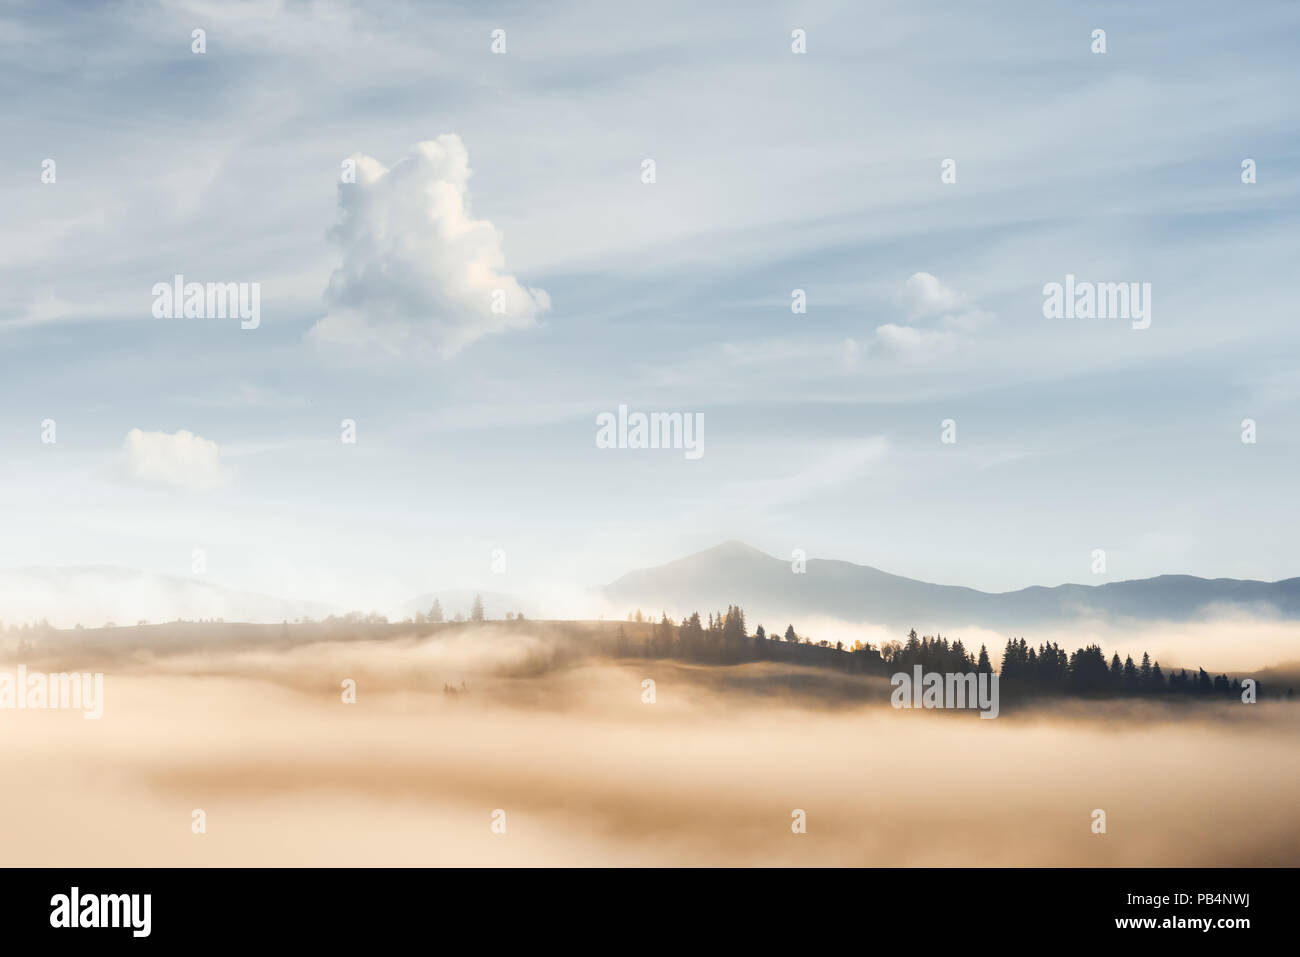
column 435, row 613
column 1088, row 669
column 760, row 634
column 691, row 635
column 1144, row 673
column 476, row 613
column 1015, row 658
column 790, row 636
column 984, row 666
column 664, row 634
column 733, row 626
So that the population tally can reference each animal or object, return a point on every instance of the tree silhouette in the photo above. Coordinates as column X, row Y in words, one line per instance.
column 1045, row 670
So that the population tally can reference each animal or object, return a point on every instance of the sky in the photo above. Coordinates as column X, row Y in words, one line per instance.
column 457, row 251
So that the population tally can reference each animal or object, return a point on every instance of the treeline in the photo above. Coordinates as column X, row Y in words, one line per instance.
column 1048, row 669
column 723, row 638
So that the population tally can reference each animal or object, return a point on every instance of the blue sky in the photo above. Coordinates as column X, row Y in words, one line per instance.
column 774, row 171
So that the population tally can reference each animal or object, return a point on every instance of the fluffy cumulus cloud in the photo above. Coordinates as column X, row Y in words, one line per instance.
column 179, row 459
column 419, row 274
column 924, row 295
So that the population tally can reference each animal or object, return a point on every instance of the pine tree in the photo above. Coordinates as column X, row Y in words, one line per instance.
column 476, row 613
column 1130, row 674
column 664, row 634
column 435, row 612
column 733, row 627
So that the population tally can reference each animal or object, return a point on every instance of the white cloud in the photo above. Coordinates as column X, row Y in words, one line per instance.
column 909, row 342
column 928, row 302
column 181, row 459
column 419, row 273
column 924, row 295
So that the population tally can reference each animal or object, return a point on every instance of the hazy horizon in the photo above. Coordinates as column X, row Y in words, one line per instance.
column 135, row 440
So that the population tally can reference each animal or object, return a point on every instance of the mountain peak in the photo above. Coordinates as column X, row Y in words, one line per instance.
column 733, row 548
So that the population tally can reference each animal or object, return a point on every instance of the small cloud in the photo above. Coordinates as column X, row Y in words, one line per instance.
column 924, row 295
column 908, row 342
column 419, row 273
column 180, row 459
column 939, row 319
column 972, row 320
column 851, row 352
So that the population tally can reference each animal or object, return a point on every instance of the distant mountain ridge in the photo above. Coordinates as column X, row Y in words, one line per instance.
column 734, row 572
column 93, row 595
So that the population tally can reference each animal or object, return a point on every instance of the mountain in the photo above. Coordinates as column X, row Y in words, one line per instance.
column 92, row 595
column 735, row 573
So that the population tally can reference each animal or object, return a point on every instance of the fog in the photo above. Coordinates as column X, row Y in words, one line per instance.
column 1227, row 640
column 588, row 774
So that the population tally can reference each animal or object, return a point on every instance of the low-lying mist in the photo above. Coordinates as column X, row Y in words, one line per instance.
column 286, row 773
column 1229, row 640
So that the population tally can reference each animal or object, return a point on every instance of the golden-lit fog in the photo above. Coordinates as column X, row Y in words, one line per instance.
column 587, row 774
